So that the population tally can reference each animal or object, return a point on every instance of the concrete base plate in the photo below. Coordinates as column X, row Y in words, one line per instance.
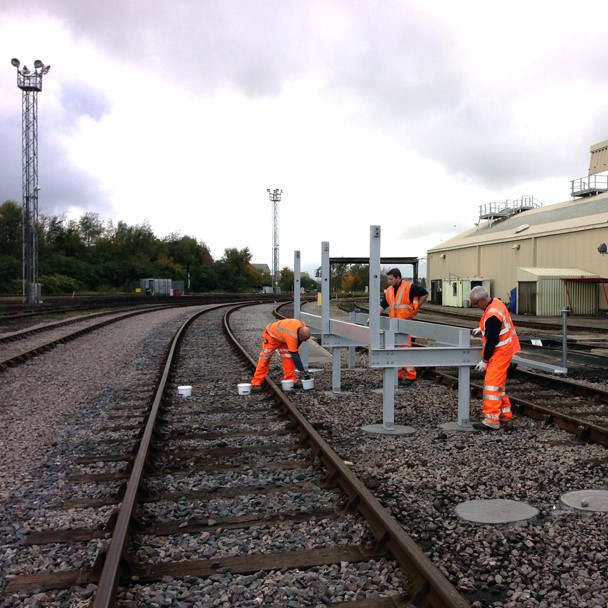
column 587, row 500
column 454, row 426
column 495, row 511
column 379, row 429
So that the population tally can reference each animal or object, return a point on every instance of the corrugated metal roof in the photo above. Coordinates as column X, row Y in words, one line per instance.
column 571, row 215
column 548, row 215
column 557, row 272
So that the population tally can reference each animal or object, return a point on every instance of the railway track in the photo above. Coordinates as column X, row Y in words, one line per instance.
column 21, row 346
column 212, row 452
column 223, row 487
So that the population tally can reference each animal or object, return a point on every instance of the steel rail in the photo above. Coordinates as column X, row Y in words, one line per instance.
column 583, row 430
column 110, row 574
column 429, row 588
column 29, row 354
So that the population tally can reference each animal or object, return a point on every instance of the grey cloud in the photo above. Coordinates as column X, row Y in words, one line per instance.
column 402, row 65
column 79, row 100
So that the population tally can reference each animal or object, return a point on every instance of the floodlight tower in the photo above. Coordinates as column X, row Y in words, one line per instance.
column 275, row 197
column 30, row 83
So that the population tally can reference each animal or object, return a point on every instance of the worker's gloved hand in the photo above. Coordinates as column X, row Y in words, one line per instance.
column 476, row 333
column 481, row 366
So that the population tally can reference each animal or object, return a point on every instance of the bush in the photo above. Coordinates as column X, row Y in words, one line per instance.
column 59, row 284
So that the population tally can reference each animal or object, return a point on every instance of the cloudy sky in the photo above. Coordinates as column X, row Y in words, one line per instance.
column 408, row 114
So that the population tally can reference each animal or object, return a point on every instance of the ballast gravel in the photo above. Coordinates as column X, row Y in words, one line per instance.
column 53, row 406
column 556, row 560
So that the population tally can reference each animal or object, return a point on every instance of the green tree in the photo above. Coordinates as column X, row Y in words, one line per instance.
column 11, row 237
column 286, row 279
column 234, row 271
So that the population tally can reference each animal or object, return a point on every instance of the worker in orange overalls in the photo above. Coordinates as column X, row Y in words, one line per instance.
column 286, row 337
column 499, row 344
column 402, row 299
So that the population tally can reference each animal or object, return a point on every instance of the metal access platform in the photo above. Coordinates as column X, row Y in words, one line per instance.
column 385, row 339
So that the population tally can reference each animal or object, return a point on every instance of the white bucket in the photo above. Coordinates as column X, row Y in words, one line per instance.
column 184, row 391
column 244, row 388
column 308, row 384
column 287, row 385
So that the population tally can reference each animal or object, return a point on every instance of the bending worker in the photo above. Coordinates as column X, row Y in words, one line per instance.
column 402, row 299
column 499, row 343
column 286, row 337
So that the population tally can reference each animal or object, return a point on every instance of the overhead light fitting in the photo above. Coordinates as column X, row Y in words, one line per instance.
column 516, row 246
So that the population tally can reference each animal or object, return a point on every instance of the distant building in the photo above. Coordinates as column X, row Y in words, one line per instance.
column 541, row 258
column 262, row 268
column 161, row 287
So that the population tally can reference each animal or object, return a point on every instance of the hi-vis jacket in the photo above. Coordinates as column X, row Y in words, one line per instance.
column 286, row 331
column 400, row 306
column 508, row 342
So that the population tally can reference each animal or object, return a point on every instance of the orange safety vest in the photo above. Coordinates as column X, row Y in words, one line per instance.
column 508, row 342
column 399, row 305
column 286, row 331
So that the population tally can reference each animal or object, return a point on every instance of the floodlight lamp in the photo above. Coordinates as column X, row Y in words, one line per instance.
column 46, row 69
column 15, row 62
column 25, row 70
column 38, row 64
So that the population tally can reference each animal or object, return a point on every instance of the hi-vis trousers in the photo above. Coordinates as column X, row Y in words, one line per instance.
column 496, row 405
column 269, row 345
column 408, row 372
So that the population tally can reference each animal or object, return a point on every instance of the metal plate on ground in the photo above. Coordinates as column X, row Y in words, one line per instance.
column 495, row 511
column 397, row 429
column 587, row 500
column 455, row 426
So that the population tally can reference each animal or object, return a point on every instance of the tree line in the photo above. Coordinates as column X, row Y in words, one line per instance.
column 91, row 254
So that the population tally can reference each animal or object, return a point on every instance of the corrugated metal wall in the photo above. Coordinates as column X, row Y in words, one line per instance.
column 553, row 297
column 583, row 297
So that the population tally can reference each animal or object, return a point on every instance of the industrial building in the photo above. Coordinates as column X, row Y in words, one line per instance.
column 541, row 259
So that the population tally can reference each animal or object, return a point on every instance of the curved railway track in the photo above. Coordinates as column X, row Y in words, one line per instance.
column 182, row 469
column 246, row 474
column 20, row 346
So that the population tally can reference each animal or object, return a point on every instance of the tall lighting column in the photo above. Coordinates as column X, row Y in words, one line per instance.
column 30, row 83
column 275, row 197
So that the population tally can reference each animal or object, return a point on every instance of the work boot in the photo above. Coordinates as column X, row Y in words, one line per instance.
column 256, row 388
column 482, row 426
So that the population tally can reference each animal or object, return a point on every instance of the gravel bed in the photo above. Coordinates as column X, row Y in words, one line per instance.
column 201, row 481
column 339, row 583
column 55, row 408
column 555, row 560
column 219, row 508
column 258, row 540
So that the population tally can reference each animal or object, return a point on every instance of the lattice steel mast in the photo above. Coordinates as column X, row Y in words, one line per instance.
column 275, row 197
column 30, row 83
